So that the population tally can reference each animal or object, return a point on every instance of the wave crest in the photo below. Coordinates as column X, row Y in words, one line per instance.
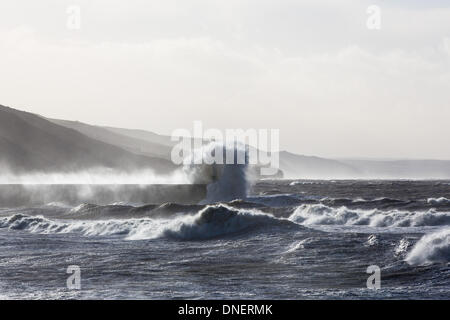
column 431, row 248
column 210, row 222
column 438, row 201
column 40, row 224
column 220, row 220
column 319, row 214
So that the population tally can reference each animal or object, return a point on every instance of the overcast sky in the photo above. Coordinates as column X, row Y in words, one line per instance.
column 310, row 68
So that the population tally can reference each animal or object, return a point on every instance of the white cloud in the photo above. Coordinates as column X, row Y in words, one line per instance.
column 311, row 69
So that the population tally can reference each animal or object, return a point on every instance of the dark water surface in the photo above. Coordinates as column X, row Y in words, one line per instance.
column 288, row 240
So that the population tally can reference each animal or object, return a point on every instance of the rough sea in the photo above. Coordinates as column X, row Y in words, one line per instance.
column 288, row 239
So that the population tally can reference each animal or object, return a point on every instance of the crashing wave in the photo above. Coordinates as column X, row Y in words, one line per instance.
column 42, row 225
column 319, row 214
column 438, row 201
column 295, row 183
column 214, row 221
column 225, row 181
column 210, row 222
column 431, row 248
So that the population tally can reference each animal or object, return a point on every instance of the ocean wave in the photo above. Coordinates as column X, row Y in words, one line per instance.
column 57, row 205
column 431, row 248
column 169, row 208
column 125, row 211
column 385, row 204
column 215, row 221
column 310, row 182
column 295, row 183
column 98, row 212
column 319, row 214
column 278, row 200
column 226, row 180
column 42, row 225
column 210, row 222
column 375, row 203
column 438, row 201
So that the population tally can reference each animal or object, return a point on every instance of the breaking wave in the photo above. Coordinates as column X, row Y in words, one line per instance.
column 319, row 214
column 210, row 222
column 438, row 201
column 432, row 248
column 215, row 221
column 277, row 200
column 40, row 224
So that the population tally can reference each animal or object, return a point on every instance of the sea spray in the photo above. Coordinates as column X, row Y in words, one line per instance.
column 227, row 180
column 431, row 248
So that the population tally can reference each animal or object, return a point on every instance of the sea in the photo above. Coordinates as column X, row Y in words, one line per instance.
column 282, row 239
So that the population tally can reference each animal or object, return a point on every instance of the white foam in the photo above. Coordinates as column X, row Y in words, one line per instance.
column 432, row 248
column 297, row 245
column 279, row 200
column 226, row 182
column 40, row 224
column 372, row 240
column 319, row 214
column 210, row 222
column 295, row 183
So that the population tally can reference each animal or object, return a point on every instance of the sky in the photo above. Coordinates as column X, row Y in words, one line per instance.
column 312, row 69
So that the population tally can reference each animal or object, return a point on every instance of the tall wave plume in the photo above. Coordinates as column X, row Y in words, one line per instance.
column 226, row 179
